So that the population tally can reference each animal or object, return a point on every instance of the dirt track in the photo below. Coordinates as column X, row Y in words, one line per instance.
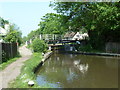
column 13, row 70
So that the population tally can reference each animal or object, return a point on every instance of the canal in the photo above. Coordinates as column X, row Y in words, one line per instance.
column 79, row 71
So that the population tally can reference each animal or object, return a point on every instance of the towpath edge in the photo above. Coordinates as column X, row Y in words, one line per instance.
column 46, row 56
column 14, row 69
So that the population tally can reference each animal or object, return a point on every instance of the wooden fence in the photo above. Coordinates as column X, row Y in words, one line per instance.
column 8, row 50
column 112, row 47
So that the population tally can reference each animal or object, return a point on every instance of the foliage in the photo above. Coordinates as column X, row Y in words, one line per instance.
column 88, row 48
column 5, row 64
column 3, row 22
column 14, row 35
column 24, row 39
column 32, row 35
column 101, row 20
column 27, row 73
column 39, row 45
column 52, row 24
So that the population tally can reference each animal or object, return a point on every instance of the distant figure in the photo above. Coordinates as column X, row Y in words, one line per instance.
column 77, row 42
column 78, row 45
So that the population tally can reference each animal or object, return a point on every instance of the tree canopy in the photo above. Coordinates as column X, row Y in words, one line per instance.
column 13, row 34
column 101, row 20
column 52, row 24
column 3, row 22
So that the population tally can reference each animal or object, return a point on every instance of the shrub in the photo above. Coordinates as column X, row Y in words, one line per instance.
column 39, row 45
column 86, row 48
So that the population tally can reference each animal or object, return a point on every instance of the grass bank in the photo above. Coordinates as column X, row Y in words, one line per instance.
column 27, row 73
column 5, row 64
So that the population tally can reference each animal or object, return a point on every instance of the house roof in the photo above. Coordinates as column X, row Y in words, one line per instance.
column 69, row 34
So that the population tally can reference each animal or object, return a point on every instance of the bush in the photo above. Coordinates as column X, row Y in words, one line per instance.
column 39, row 45
column 86, row 48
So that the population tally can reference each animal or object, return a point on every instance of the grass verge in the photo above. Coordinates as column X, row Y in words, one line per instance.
column 5, row 64
column 27, row 73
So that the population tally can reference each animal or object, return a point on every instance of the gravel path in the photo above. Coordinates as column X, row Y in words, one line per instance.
column 13, row 70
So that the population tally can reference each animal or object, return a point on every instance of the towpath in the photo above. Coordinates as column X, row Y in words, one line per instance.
column 13, row 70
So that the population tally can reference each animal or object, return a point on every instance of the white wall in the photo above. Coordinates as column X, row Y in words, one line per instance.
column 79, row 36
column 3, row 31
column 7, row 27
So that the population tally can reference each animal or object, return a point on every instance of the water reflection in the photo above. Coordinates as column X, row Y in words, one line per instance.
column 79, row 71
column 71, row 76
column 82, row 67
column 76, row 62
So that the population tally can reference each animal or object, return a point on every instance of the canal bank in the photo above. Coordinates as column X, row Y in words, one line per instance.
column 27, row 72
column 90, row 53
column 45, row 57
column 70, row 48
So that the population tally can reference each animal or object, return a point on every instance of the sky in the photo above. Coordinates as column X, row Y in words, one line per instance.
column 25, row 14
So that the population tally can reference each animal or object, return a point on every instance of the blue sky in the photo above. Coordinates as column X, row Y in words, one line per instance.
column 26, row 15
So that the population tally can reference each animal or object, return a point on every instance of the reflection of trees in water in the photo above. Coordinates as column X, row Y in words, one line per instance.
column 83, row 68
column 72, row 69
column 63, row 67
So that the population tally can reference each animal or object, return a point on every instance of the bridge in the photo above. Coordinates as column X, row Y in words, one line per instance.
column 60, row 44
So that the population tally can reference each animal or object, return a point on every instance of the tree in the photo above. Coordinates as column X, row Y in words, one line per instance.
column 101, row 20
column 32, row 35
column 51, row 24
column 39, row 45
column 24, row 39
column 14, row 35
column 3, row 22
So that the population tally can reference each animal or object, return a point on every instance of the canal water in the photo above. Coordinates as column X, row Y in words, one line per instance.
column 79, row 71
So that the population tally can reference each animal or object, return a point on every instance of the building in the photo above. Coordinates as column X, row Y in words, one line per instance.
column 4, row 31
column 75, row 36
